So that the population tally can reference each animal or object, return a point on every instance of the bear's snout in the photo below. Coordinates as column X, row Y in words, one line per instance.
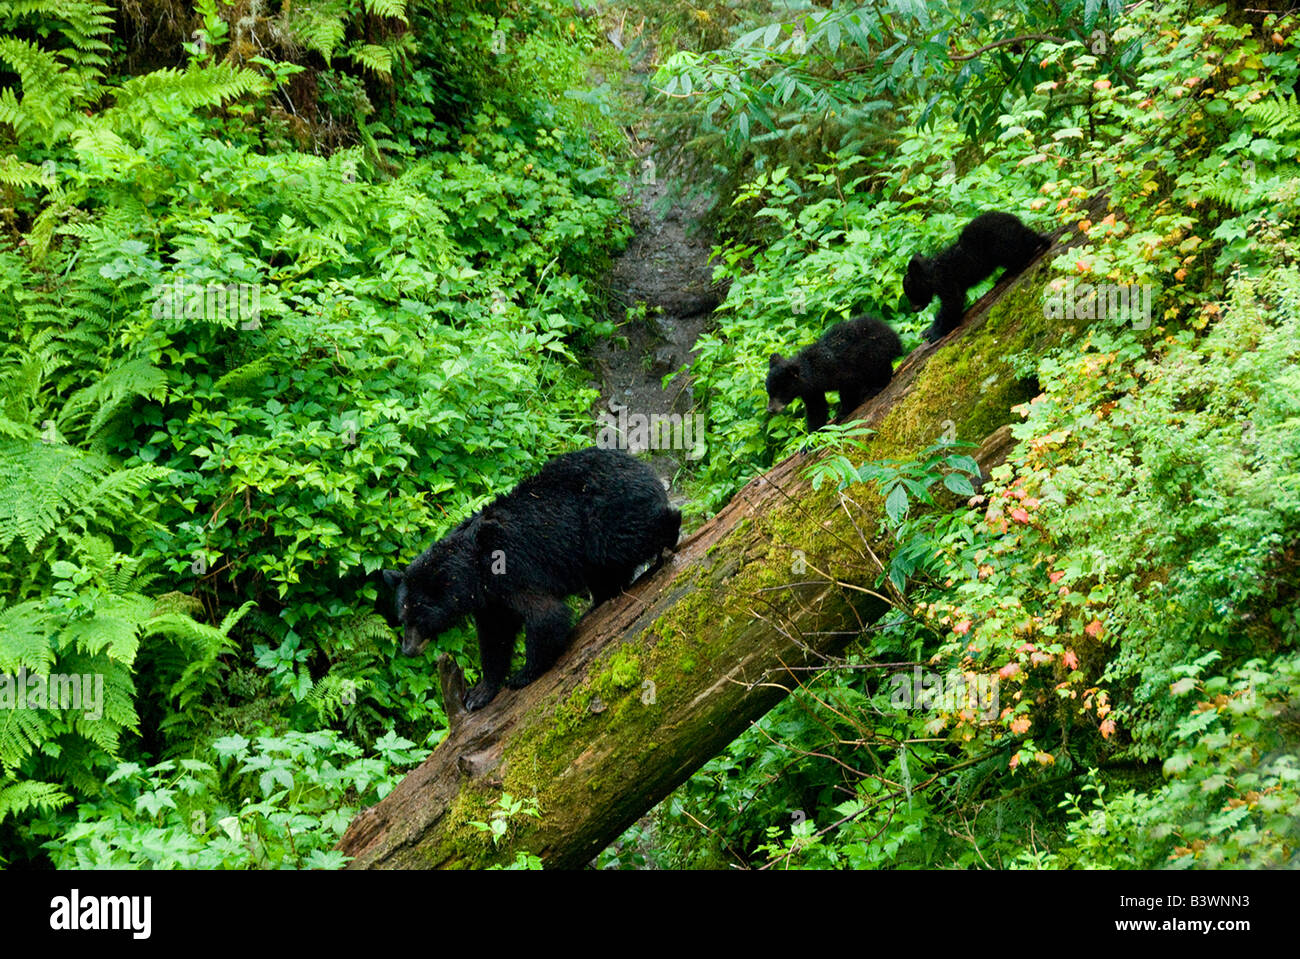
column 775, row 406
column 413, row 645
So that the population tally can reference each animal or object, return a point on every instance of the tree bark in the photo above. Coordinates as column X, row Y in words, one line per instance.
column 658, row 681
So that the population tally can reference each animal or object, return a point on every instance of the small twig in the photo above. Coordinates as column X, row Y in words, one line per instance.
column 1007, row 42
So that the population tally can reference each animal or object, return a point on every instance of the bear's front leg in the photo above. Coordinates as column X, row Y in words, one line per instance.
column 817, row 411
column 547, row 621
column 496, row 641
column 850, row 399
column 951, row 310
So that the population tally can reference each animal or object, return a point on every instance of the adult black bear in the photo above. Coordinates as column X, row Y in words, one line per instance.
column 584, row 523
column 855, row 357
column 989, row 241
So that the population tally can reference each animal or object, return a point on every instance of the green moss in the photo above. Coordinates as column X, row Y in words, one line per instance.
column 461, row 845
column 625, row 669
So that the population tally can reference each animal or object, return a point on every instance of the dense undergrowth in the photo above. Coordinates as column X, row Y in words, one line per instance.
column 1105, row 637
column 275, row 314
column 287, row 302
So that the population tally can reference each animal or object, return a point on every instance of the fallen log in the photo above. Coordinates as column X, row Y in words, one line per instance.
column 658, row 681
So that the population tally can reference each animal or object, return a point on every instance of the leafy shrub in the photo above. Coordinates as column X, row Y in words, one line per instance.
column 273, row 802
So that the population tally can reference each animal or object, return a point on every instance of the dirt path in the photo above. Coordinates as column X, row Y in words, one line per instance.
column 662, row 284
column 662, row 296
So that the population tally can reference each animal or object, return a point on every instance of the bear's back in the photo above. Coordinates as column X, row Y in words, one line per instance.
column 581, row 510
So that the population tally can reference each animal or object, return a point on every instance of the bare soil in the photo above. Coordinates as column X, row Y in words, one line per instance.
column 666, row 269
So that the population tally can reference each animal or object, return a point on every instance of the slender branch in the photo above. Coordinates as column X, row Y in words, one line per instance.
column 1044, row 37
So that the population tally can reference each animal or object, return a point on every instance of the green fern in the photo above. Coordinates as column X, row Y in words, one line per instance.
column 48, row 92
column 195, row 87
column 393, row 9
column 14, row 172
column 55, row 83
column 1278, row 116
column 25, row 638
column 21, row 732
column 24, row 795
column 103, row 398
column 199, row 643
column 377, row 59
column 320, row 28
column 44, row 485
column 85, row 24
column 332, row 693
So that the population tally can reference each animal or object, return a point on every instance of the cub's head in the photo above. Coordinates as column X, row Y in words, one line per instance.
column 783, row 382
column 430, row 595
column 918, row 282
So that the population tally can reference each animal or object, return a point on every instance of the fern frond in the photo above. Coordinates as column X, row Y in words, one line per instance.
column 43, row 484
column 48, row 92
column 393, row 9
column 86, row 24
column 202, row 644
column 1278, row 116
column 114, row 629
column 331, row 693
column 195, row 87
column 242, row 381
column 21, row 730
column 23, row 795
column 11, row 111
column 376, row 59
column 320, row 31
column 98, row 143
column 25, row 630
column 40, row 483
column 121, row 384
column 14, row 172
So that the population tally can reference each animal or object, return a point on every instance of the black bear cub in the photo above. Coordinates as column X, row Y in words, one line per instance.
column 989, row 241
column 583, row 523
column 855, row 357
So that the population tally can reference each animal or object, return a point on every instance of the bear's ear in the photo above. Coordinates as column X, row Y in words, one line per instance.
column 776, row 360
column 392, row 578
column 919, row 265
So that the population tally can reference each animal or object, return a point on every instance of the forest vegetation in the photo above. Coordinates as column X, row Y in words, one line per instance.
column 289, row 290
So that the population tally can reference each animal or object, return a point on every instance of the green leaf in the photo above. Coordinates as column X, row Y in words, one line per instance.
column 896, row 504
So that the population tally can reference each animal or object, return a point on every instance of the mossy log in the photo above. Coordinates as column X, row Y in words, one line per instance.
column 658, row 681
